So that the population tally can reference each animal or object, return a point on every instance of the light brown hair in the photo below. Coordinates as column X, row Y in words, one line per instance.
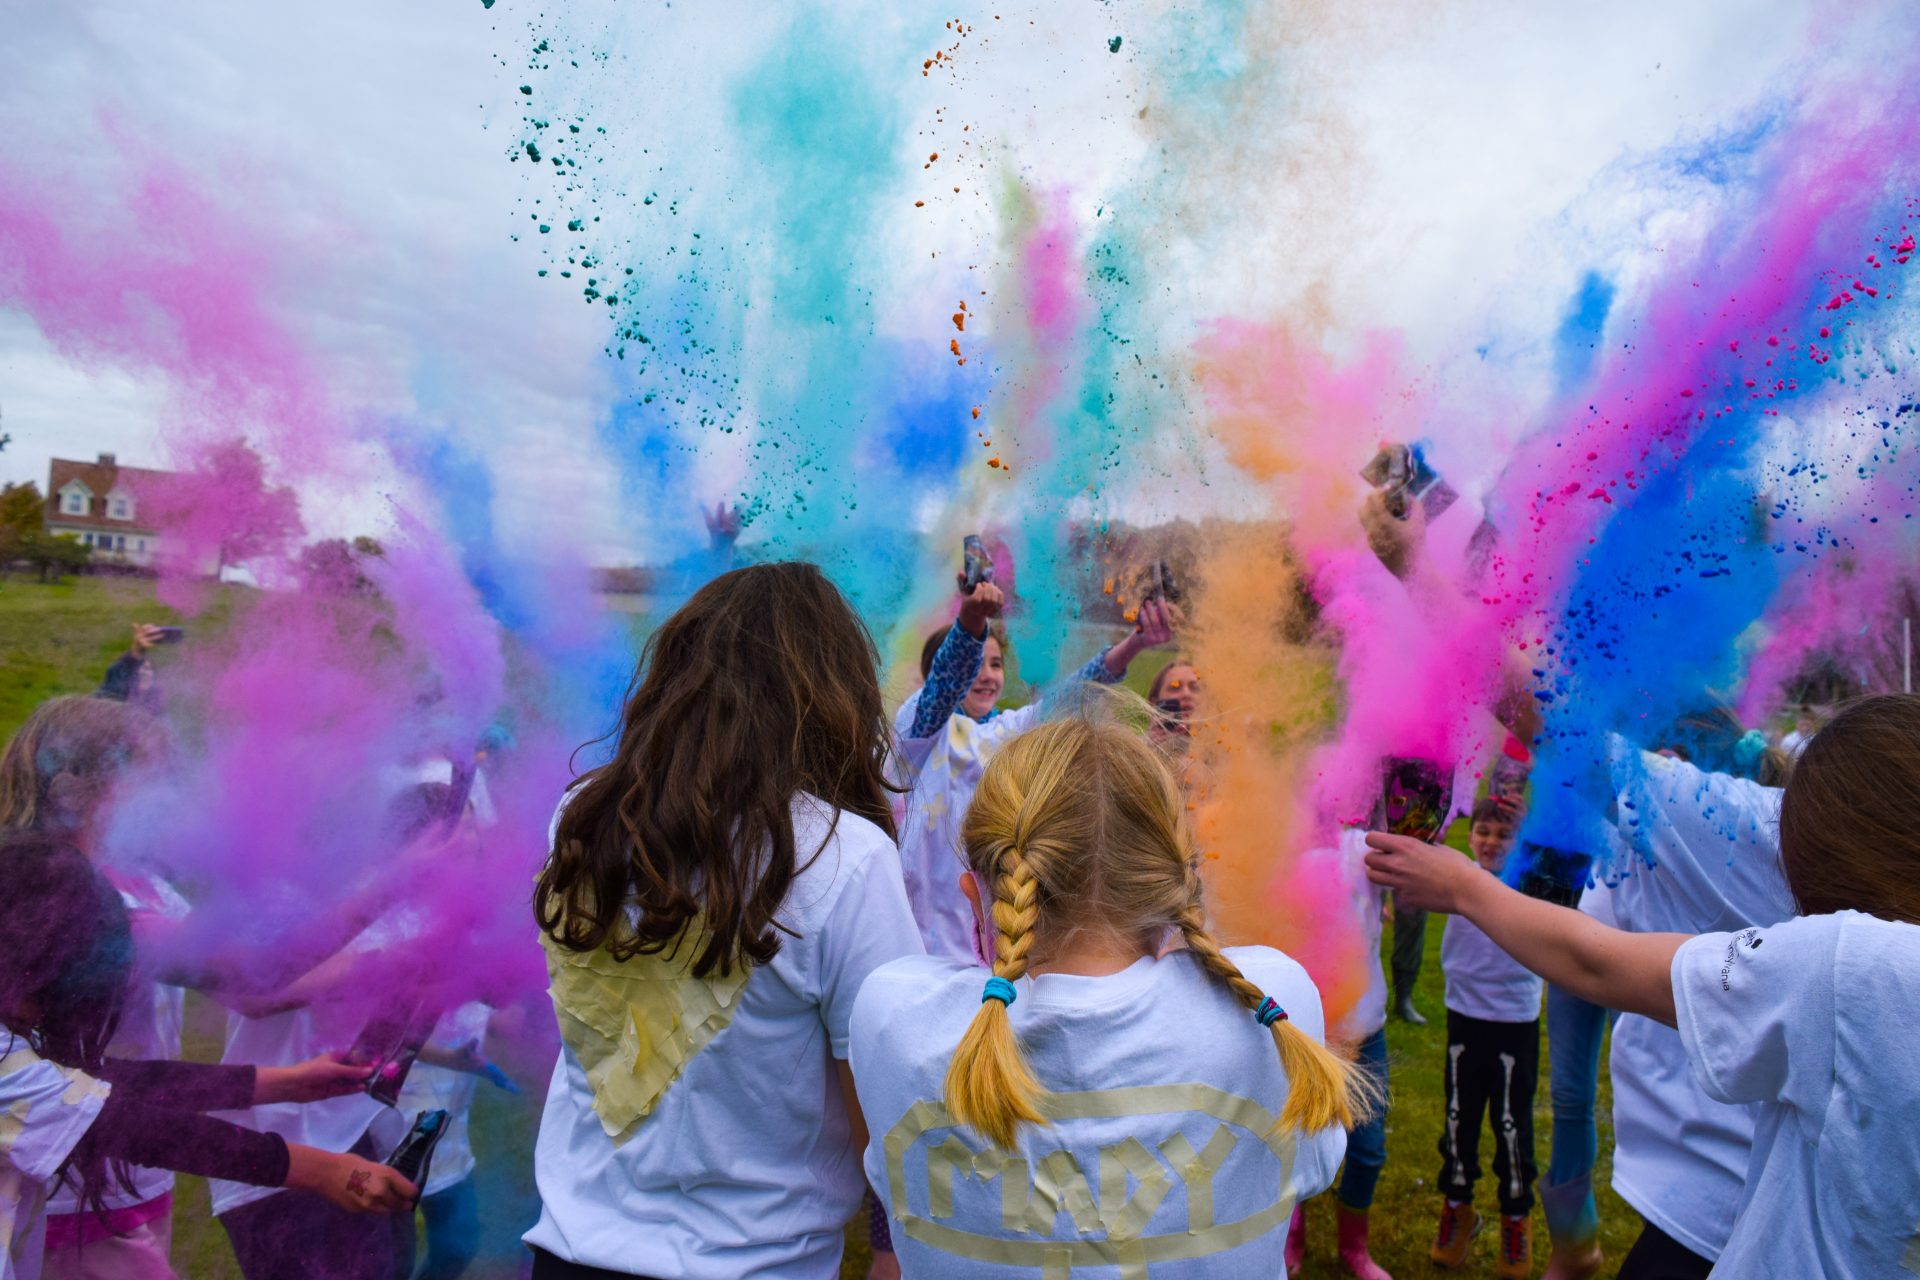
column 89, row 740
column 1849, row 839
column 760, row 687
column 1079, row 825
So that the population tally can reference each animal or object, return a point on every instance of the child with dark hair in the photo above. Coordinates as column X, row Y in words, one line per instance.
column 1492, row 1067
column 716, row 894
column 66, row 953
column 1799, row 1022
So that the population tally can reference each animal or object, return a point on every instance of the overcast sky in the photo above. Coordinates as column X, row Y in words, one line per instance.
column 1477, row 151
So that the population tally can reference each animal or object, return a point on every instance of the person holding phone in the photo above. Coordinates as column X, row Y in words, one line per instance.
column 130, row 677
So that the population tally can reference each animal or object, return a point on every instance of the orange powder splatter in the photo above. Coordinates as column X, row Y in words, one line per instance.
column 1268, row 699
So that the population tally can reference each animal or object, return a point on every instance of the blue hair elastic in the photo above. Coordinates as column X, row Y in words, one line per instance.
column 1270, row 1012
column 1000, row 989
column 1747, row 751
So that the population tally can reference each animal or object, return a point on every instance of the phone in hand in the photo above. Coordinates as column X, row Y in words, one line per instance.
column 1403, row 472
column 979, row 565
column 1414, row 798
column 169, row 635
column 1161, row 584
column 389, row 1043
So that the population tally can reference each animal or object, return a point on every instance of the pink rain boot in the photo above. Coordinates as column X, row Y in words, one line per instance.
column 1353, row 1245
column 1297, row 1239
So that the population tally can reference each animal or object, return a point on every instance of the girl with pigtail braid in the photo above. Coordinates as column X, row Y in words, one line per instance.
column 1119, row 1088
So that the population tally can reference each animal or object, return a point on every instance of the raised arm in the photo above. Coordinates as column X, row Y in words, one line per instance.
column 1631, row 972
column 956, row 664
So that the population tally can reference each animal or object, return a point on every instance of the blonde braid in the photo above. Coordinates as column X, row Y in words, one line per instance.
column 1016, row 908
column 1322, row 1089
column 990, row 1087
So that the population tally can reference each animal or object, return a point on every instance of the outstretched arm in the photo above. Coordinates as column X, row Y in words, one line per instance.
column 956, row 664
column 1631, row 972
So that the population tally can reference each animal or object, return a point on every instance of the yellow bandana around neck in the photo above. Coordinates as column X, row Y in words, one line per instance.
column 635, row 1024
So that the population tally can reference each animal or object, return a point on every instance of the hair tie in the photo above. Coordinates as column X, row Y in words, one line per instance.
column 1270, row 1012
column 998, row 988
column 1747, row 751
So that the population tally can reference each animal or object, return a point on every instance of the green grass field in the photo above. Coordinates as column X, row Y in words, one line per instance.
column 59, row 639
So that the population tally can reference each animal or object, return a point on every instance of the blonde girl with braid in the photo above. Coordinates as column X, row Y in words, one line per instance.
column 1120, row 1091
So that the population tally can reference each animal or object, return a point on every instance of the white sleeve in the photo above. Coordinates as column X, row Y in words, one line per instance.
column 1710, row 839
column 1756, row 1012
column 869, row 924
column 45, row 1110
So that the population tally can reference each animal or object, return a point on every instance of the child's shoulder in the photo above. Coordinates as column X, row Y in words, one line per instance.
column 911, row 986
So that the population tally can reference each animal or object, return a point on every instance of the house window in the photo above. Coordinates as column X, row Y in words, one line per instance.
column 120, row 542
column 119, row 508
column 139, row 544
column 86, row 539
column 73, row 502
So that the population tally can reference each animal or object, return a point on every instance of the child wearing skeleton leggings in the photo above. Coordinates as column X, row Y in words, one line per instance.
column 1492, row 1066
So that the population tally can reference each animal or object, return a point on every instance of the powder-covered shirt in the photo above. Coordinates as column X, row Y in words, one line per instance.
column 941, row 755
column 746, row 1165
column 1483, row 981
column 1810, row 1023
column 1696, row 852
column 45, row 1109
column 1163, row 1091
column 149, row 1028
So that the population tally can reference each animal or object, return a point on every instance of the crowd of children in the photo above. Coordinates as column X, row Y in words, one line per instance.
column 956, row 963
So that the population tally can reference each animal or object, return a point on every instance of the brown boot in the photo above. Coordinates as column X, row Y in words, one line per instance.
column 1516, row 1248
column 1459, row 1224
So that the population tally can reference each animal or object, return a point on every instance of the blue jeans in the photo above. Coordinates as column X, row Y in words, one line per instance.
column 453, row 1231
column 1367, row 1143
column 1574, row 1032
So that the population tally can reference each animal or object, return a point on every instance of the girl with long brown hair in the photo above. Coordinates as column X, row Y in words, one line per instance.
column 1139, row 1092
column 1805, row 1021
column 716, row 894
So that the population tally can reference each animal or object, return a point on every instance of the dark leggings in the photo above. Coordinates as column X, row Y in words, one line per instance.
column 295, row 1235
column 548, row 1267
column 1658, row 1256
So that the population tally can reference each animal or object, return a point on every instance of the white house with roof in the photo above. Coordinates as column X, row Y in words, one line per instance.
column 107, row 507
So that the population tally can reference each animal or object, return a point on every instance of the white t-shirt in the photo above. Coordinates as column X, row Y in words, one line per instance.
column 1164, row 1091
column 149, row 1028
column 45, row 1110
column 281, row 1040
column 1811, row 1022
column 746, row 1166
column 1483, row 981
column 1345, row 865
column 430, row 1088
column 944, row 770
column 1697, row 852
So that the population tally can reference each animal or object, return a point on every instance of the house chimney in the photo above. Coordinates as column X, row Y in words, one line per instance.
column 107, row 460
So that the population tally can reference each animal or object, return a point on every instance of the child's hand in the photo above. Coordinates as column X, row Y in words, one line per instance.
column 1397, row 540
column 1156, row 622
column 980, row 608
column 315, row 1080
column 1422, row 876
column 348, row 1182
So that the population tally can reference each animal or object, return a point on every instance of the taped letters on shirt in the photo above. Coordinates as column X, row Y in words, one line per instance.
column 1110, row 1206
column 635, row 1024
